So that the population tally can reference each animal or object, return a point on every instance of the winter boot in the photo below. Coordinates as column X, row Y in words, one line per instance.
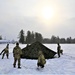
column 19, row 67
column 14, row 66
column 42, row 66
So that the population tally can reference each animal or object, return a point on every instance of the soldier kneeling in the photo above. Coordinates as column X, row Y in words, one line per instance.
column 41, row 60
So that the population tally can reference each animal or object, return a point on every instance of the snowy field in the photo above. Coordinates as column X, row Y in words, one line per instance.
column 65, row 65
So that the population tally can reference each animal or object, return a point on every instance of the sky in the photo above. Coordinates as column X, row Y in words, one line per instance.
column 48, row 17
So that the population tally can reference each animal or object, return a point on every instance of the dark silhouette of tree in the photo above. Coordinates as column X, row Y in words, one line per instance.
column 57, row 39
column 53, row 39
column 32, row 37
column 38, row 37
column 62, row 40
column 73, row 40
column 46, row 40
column 69, row 40
column 28, row 37
column 21, row 37
column 0, row 37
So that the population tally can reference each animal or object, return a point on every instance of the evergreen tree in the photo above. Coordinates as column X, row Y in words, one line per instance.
column 28, row 37
column 21, row 37
column 73, row 40
column 62, row 40
column 69, row 40
column 38, row 37
column 57, row 39
column 32, row 37
column 0, row 37
column 53, row 39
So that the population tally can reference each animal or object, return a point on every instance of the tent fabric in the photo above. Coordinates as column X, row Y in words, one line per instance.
column 31, row 51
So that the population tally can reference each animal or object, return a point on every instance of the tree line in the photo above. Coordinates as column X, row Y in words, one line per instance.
column 31, row 37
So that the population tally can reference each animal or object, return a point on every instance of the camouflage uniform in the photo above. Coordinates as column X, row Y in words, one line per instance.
column 5, row 51
column 41, row 59
column 17, row 52
column 58, row 50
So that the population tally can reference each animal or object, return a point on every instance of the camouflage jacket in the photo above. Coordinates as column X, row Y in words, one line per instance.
column 17, row 52
column 5, row 51
column 41, row 59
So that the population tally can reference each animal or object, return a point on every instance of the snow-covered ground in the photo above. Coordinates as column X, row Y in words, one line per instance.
column 65, row 65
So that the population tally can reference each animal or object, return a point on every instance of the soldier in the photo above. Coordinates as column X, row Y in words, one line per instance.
column 58, row 50
column 5, row 51
column 41, row 60
column 17, row 52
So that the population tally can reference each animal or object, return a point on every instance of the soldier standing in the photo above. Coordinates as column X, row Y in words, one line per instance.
column 58, row 50
column 5, row 51
column 41, row 60
column 17, row 52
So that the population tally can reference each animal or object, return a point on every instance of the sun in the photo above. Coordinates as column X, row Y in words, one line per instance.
column 47, row 12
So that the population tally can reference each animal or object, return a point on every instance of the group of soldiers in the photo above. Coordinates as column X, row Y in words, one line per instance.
column 17, row 52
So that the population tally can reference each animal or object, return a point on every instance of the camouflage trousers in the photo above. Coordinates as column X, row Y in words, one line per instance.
column 15, row 61
column 4, row 55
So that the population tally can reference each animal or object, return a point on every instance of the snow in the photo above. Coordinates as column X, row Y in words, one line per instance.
column 65, row 65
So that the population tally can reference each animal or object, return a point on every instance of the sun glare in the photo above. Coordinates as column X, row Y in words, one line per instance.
column 47, row 13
